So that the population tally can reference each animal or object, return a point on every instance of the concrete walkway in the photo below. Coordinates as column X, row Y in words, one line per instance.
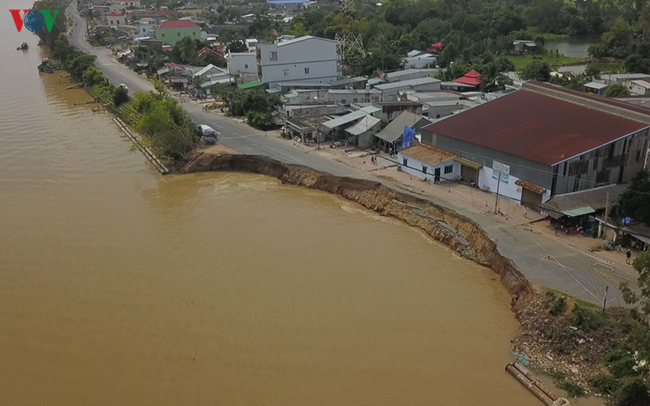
column 544, row 259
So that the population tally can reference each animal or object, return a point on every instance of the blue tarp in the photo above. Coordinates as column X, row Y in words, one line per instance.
column 408, row 136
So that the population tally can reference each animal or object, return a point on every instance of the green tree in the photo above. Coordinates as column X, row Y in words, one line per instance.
column 617, row 90
column 619, row 35
column 186, row 48
column 79, row 63
column 237, row 46
column 92, row 76
column 537, row 71
column 120, row 96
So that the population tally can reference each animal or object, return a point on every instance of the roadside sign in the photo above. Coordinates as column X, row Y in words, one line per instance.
column 500, row 171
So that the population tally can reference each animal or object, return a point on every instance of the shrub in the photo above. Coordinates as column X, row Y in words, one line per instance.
column 588, row 319
column 620, row 363
column 572, row 389
column 632, row 393
column 120, row 96
column 558, row 306
column 605, row 384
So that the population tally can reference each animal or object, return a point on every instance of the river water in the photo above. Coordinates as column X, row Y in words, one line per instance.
column 122, row 287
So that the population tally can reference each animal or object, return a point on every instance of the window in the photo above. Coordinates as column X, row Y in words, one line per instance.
column 449, row 169
column 162, row 35
column 111, row 22
column 306, row 71
column 424, row 169
column 405, row 162
column 343, row 101
column 286, row 72
column 194, row 34
column 246, row 66
column 178, row 34
column 355, row 100
column 273, row 56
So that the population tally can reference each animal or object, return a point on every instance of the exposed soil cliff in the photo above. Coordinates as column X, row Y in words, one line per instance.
column 446, row 226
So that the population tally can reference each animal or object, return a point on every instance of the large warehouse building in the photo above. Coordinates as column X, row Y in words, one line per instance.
column 544, row 141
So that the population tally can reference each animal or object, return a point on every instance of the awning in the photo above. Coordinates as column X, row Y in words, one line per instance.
column 530, row 186
column 250, row 85
column 468, row 163
column 578, row 212
column 641, row 237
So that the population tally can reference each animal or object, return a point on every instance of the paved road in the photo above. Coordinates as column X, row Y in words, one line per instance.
column 235, row 135
column 543, row 260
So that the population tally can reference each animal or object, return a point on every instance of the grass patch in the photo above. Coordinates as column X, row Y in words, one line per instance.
column 536, row 32
column 605, row 384
column 521, row 61
column 572, row 389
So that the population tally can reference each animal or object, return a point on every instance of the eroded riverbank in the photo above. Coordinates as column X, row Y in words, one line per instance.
column 444, row 225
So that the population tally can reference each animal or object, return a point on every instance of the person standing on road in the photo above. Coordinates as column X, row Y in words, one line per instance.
column 628, row 256
column 525, row 212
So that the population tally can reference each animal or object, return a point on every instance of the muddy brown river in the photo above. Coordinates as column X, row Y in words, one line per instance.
column 122, row 287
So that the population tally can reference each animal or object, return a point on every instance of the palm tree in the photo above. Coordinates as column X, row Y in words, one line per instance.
column 187, row 48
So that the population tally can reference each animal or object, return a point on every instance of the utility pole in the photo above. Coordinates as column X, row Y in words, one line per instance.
column 496, row 202
column 606, row 214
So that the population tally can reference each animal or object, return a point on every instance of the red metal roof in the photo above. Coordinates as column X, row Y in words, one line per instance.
column 468, row 81
column 177, row 24
column 114, row 14
column 472, row 74
column 536, row 127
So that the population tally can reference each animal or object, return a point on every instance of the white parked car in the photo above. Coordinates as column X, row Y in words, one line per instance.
column 209, row 135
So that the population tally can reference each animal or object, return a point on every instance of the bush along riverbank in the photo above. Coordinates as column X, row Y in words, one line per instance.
column 166, row 126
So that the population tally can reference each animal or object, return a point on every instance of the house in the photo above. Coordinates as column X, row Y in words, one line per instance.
column 640, row 87
column 523, row 46
column 350, row 96
column 305, row 59
column 391, row 110
column 425, row 161
column 418, row 59
column 172, row 31
column 471, row 78
column 115, row 19
column 251, row 44
column 545, row 140
column 596, row 88
column 441, row 103
column 390, row 138
column 240, row 63
column 409, row 74
column 624, row 78
column 336, row 126
column 392, row 91
column 359, row 82
column 363, row 131
column 146, row 28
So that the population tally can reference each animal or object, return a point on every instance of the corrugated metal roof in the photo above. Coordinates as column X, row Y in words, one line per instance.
column 595, row 198
column 363, row 125
column 177, row 24
column 427, row 154
column 348, row 118
column 469, row 163
column 371, row 109
column 407, row 83
column 395, row 129
column 535, row 127
column 580, row 211
column 596, row 85
column 250, row 85
column 530, row 186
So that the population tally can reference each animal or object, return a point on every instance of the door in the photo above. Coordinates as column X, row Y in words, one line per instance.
column 531, row 199
column 436, row 175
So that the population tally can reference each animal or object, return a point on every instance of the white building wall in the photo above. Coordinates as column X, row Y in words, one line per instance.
column 309, row 60
column 415, row 168
column 241, row 63
column 508, row 189
column 116, row 20
column 419, row 62
column 393, row 93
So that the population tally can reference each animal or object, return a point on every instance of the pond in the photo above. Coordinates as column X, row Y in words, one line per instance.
column 573, row 47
